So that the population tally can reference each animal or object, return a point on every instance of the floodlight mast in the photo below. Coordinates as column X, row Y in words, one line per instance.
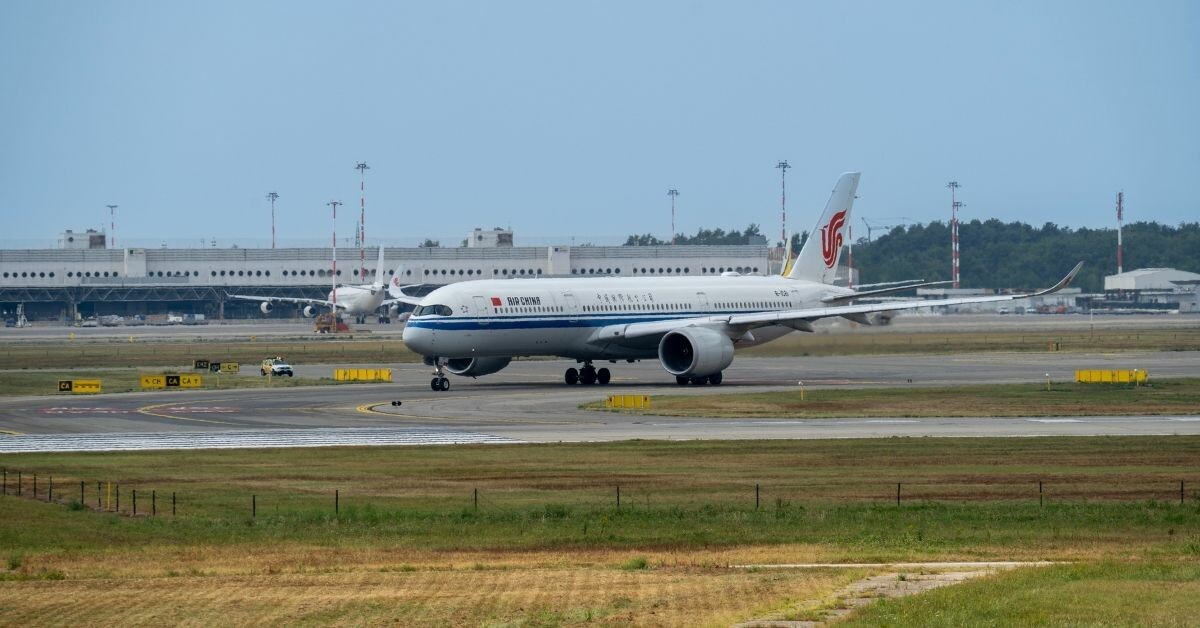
column 271, row 196
column 333, row 295
column 672, row 193
column 955, row 205
column 112, row 225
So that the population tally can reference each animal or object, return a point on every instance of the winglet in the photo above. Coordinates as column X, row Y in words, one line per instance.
column 1062, row 283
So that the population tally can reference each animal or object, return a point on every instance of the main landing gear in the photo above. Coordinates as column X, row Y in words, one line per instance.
column 439, row 381
column 714, row 379
column 587, row 375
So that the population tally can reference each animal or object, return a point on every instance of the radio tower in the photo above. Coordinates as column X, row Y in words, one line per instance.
column 1120, row 218
column 362, row 168
column 271, row 196
column 955, row 205
column 672, row 193
column 333, row 295
column 783, row 168
column 112, row 224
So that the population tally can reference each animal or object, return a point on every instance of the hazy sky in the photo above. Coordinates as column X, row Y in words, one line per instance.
column 565, row 119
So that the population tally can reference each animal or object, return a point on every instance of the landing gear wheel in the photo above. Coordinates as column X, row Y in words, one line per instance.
column 571, row 376
column 603, row 376
column 588, row 376
column 445, row 384
column 715, row 379
column 435, row 384
column 681, row 380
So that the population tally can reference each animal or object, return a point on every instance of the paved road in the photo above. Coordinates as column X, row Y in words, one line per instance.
column 528, row 403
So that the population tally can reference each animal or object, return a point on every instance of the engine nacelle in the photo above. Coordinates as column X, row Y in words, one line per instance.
column 309, row 311
column 474, row 367
column 695, row 352
column 265, row 306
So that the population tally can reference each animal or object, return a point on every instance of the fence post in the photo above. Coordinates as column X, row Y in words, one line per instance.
column 172, row 503
column 81, row 502
column 153, row 503
column 20, row 485
column 35, row 486
column 618, row 496
column 477, row 499
column 135, row 501
column 336, row 500
column 50, row 490
column 1181, row 492
column 5, row 481
column 254, row 505
column 897, row 493
column 756, row 495
column 1041, row 497
column 99, row 497
column 118, row 498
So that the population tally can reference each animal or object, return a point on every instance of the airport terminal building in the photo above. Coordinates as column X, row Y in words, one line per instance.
column 84, row 278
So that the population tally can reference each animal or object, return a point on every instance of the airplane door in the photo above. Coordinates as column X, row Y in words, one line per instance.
column 701, row 300
column 572, row 305
column 482, row 309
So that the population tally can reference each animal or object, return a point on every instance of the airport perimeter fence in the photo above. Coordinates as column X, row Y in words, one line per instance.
column 110, row 497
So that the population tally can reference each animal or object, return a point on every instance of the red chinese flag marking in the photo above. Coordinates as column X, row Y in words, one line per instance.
column 496, row 301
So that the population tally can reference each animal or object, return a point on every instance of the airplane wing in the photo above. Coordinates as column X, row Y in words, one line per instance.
column 298, row 301
column 839, row 298
column 736, row 325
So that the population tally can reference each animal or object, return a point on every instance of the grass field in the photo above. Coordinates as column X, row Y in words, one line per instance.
column 1177, row 397
column 549, row 547
column 548, row 544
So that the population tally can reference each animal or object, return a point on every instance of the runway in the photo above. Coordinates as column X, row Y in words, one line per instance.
column 528, row 403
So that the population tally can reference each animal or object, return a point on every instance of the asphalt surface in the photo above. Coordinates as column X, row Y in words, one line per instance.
column 528, row 402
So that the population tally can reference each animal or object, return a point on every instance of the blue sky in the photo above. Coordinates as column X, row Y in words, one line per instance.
column 570, row 120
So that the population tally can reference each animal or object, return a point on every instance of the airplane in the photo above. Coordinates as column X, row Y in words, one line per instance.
column 359, row 301
column 691, row 325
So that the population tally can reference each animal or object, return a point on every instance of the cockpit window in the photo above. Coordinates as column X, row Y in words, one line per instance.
column 432, row 310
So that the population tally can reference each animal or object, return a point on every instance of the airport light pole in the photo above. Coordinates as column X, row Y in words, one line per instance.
column 271, row 196
column 362, row 168
column 783, row 168
column 112, row 225
column 672, row 193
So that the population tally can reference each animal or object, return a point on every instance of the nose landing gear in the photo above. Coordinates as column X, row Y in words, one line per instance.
column 587, row 375
column 439, row 381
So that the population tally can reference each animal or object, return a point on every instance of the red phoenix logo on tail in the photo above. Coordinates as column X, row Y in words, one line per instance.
column 831, row 238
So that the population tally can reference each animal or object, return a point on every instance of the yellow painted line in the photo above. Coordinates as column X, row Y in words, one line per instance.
column 147, row 410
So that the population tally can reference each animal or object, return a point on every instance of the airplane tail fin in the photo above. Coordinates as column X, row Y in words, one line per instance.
column 819, row 256
column 787, row 256
column 379, row 271
column 397, row 284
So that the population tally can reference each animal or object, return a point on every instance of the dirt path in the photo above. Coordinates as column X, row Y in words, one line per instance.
column 898, row 580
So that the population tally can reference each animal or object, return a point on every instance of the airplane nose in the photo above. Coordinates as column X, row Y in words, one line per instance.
column 416, row 339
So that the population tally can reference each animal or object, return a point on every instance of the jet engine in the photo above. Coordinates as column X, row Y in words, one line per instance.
column 265, row 306
column 308, row 311
column 695, row 352
column 474, row 367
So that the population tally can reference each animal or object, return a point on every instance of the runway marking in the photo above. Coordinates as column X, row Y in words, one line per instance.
column 1185, row 419
column 80, row 410
column 148, row 410
column 248, row 439
column 1055, row 420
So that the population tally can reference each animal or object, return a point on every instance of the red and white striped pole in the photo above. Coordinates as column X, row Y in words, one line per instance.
column 783, row 168
column 271, row 196
column 333, row 295
column 954, row 206
column 112, row 225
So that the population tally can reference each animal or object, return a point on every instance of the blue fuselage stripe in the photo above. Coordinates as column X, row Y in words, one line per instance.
column 551, row 321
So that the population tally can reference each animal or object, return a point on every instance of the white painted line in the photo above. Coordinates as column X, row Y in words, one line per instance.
column 1054, row 420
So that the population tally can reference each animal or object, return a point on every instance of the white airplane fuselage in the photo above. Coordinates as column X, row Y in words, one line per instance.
column 358, row 300
column 559, row 317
